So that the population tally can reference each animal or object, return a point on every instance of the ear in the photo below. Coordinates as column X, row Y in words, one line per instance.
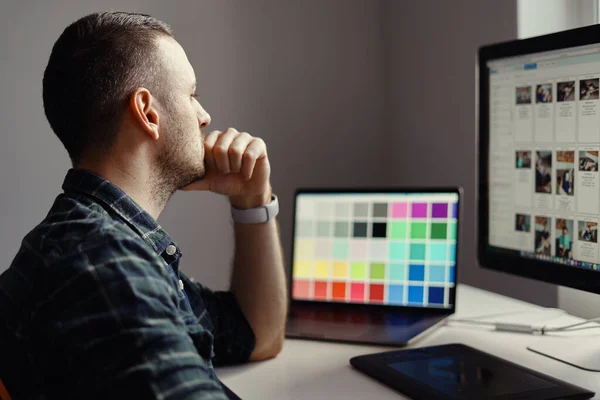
column 144, row 112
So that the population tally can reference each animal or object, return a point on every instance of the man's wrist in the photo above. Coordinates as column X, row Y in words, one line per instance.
column 247, row 202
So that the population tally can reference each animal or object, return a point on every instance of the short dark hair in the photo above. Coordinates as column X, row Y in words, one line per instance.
column 94, row 66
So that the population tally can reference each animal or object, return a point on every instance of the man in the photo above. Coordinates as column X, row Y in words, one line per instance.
column 95, row 304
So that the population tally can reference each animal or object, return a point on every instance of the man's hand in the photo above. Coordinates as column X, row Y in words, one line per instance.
column 236, row 166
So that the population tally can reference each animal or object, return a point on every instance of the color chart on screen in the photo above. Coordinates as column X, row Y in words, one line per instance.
column 376, row 248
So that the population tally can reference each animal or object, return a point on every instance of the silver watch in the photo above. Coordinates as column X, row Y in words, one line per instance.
column 258, row 215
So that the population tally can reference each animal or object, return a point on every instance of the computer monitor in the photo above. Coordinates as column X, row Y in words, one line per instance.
column 539, row 144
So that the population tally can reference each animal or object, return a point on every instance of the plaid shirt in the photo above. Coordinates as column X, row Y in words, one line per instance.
column 95, row 306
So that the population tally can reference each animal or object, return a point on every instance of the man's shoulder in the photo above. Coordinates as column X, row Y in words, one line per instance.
column 77, row 242
column 75, row 224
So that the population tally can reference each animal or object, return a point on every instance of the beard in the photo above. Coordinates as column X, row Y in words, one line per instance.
column 180, row 163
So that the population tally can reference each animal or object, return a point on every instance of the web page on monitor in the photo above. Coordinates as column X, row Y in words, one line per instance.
column 544, row 148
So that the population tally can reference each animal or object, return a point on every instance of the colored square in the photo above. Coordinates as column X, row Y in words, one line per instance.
column 453, row 230
column 341, row 229
column 397, row 230
column 452, row 253
column 437, row 273
column 455, row 210
column 398, row 251
column 438, row 252
column 305, row 208
column 377, row 271
column 415, row 294
column 322, row 269
column 439, row 210
column 397, row 272
column 396, row 294
column 340, row 249
column 419, row 210
column 304, row 249
column 417, row 251
column 399, row 210
column 418, row 230
column 302, row 269
column 361, row 210
column 358, row 270
column 324, row 209
column 436, row 295
column 320, row 290
column 376, row 292
column 323, row 249
column 439, row 230
column 301, row 289
column 379, row 230
column 378, row 250
column 340, row 269
column 416, row 272
column 357, row 292
column 304, row 229
column 338, row 291
column 380, row 210
column 358, row 249
column 451, row 274
column 342, row 210
column 323, row 229
column 359, row 230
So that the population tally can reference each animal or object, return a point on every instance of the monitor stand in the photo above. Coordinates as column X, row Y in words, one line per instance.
column 579, row 351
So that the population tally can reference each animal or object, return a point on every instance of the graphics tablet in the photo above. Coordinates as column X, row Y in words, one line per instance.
column 457, row 372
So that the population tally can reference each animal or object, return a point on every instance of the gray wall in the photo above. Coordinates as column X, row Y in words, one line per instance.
column 345, row 92
column 304, row 75
column 431, row 54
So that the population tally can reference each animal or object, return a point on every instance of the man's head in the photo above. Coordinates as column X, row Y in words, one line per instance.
column 565, row 231
column 119, row 82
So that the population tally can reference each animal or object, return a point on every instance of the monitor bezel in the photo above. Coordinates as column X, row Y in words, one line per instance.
column 507, row 261
column 368, row 306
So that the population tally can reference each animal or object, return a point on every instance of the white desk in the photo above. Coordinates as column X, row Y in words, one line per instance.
column 314, row 370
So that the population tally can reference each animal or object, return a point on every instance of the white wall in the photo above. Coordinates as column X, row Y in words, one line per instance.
column 539, row 17
column 304, row 75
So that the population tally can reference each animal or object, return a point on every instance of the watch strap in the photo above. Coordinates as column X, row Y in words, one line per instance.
column 257, row 215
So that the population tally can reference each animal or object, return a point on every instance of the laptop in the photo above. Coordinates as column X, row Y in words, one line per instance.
column 373, row 266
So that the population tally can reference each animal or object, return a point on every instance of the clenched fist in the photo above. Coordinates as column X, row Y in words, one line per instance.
column 236, row 166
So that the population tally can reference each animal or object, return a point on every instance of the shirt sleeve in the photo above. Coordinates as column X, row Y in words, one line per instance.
column 221, row 313
column 111, row 329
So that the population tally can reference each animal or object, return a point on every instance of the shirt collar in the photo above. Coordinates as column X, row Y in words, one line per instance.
column 107, row 193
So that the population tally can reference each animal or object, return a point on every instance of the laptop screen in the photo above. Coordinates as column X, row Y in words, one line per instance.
column 385, row 248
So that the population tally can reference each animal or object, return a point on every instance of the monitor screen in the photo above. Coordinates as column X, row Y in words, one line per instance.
column 539, row 143
column 385, row 248
column 544, row 189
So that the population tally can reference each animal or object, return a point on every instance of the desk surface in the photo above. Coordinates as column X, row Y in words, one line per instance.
column 296, row 374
